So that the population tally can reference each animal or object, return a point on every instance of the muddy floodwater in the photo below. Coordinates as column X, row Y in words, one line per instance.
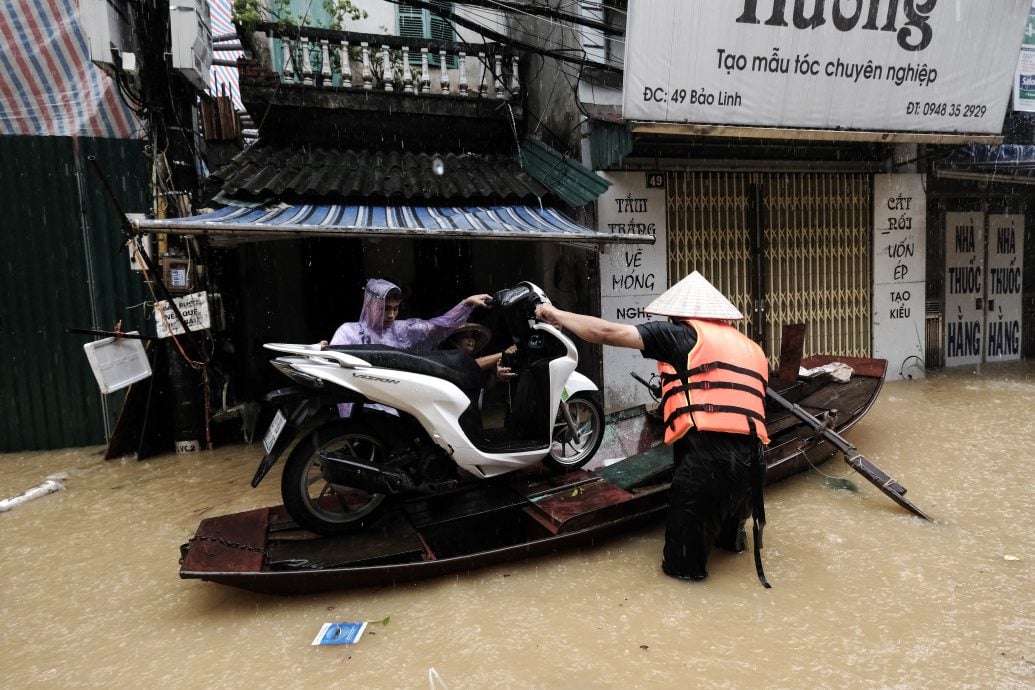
column 864, row 594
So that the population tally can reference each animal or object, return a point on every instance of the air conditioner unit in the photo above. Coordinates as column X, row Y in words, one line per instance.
column 108, row 24
column 191, row 30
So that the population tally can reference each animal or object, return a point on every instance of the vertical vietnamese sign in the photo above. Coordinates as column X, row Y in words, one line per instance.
column 1003, row 297
column 964, row 287
column 899, row 273
column 631, row 276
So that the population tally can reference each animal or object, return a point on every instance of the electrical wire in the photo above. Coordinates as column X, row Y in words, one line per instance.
column 450, row 15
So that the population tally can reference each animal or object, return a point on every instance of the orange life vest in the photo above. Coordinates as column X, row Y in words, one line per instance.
column 722, row 387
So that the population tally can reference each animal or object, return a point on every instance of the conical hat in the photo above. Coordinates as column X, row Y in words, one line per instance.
column 482, row 335
column 694, row 298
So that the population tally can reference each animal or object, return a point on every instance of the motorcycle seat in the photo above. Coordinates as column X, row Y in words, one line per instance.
column 457, row 367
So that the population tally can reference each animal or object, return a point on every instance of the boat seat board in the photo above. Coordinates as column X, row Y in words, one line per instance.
column 229, row 543
column 861, row 366
column 460, row 505
column 536, row 487
column 638, row 470
column 483, row 533
column 562, row 507
column 394, row 540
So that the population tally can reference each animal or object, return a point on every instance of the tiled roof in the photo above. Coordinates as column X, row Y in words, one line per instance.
column 328, row 175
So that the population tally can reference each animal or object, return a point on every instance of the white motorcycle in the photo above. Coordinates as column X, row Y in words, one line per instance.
column 342, row 471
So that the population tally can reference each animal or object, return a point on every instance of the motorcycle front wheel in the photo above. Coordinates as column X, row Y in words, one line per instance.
column 313, row 503
column 569, row 451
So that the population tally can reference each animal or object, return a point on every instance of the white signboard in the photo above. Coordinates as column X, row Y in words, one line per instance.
column 1024, row 79
column 1003, row 297
column 885, row 65
column 964, row 287
column 117, row 362
column 899, row 273
column 193, row 308
column 631, row 276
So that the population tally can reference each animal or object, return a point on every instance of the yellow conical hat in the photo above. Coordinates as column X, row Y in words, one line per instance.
column 694, row 298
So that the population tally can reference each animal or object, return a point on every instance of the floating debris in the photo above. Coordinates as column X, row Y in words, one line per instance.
column 48, row 486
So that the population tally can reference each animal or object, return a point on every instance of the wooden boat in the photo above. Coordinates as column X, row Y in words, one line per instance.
column 526, row 515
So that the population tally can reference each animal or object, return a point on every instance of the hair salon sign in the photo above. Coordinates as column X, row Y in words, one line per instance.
column 888, row 65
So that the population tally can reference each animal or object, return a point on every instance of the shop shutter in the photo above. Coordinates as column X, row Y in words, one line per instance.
column 816, row 258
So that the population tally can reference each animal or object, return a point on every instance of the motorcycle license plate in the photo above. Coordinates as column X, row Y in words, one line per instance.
column 273, row 433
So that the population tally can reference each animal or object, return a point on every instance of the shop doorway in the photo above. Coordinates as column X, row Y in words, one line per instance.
column 785, row 248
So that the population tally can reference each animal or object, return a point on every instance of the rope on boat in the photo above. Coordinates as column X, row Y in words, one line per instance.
column 815, row 467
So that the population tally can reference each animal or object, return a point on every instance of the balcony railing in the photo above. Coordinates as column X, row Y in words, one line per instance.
column 350, row 61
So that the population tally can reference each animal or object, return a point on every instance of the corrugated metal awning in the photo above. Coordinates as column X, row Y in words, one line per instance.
column 235, row 224
column 566, row 178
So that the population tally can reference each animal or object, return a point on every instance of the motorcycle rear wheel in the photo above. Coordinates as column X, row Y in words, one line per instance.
column 568, row 451
column 315, row 504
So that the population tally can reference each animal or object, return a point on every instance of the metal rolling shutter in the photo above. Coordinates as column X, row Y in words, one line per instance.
column 817, row 230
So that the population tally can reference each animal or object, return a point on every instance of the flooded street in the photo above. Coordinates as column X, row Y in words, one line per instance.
column 864, row 595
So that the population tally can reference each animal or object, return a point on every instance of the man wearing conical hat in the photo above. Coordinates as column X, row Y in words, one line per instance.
column 713, row 382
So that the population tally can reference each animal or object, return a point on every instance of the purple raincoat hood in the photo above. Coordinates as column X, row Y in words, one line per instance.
column 375, row 293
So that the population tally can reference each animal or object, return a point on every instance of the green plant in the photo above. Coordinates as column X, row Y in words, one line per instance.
column 343, row 9
column 251, row 13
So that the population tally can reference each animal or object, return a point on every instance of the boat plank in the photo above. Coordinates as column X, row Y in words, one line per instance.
column 461, row 505
column 229, row 543
column 394, row 540
column 862, row 366
column 564, row 507
column 538, row 487
column 641, row 469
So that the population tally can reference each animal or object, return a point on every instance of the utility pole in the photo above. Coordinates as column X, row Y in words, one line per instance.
column 170, row 110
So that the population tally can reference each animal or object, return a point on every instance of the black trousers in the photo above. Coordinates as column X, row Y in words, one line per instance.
column 709, row 500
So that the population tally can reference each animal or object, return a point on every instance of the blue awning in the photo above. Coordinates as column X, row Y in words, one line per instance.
column 235, row 224
column 1006, row 163
column 1005, row 155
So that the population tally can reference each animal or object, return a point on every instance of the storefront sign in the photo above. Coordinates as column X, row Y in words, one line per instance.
column 1024, row 79
column 964, row 287
column 884, row 65
column 193, row 308
column 1003, row 295
column 899, row 273
column 631, row 276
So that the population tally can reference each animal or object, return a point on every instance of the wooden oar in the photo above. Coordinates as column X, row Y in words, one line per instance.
column 867, row 469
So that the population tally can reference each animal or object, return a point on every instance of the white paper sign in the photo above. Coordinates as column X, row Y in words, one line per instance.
column 193, row 308
column 1003, row 296
column 899, row 273
column 1024, row 79
column 631, row 276
column 884, row 65
column 964, row 287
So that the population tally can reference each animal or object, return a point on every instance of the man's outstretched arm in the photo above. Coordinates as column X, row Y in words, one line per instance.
column 591, row 328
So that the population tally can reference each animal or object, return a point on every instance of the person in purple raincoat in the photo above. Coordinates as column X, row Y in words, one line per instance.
column 378, row 324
